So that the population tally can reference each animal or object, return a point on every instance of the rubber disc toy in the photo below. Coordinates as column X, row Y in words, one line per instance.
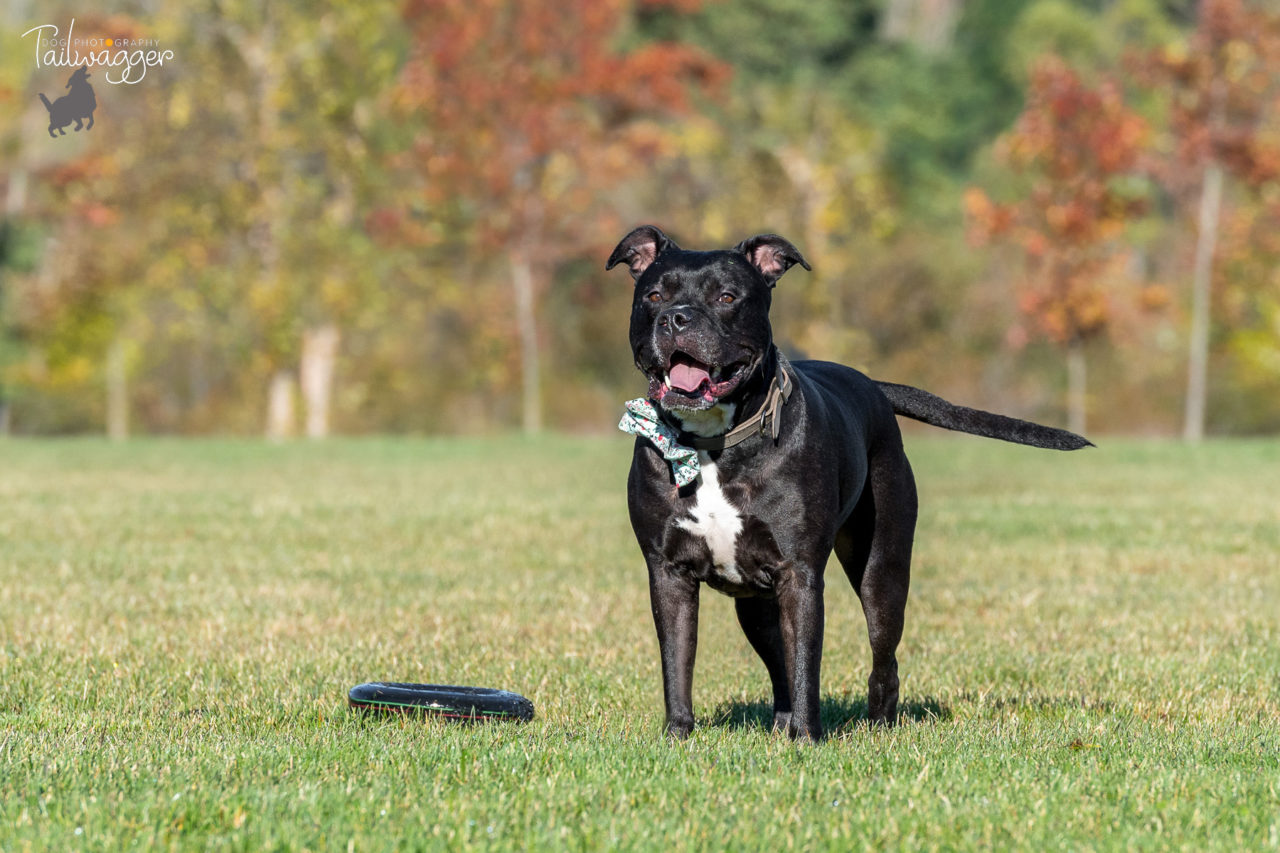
column 440, row 700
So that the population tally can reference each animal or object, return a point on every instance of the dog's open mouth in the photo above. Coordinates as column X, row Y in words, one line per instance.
column 693, row 383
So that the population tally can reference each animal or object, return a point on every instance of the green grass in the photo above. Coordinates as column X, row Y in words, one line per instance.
column 1091, row 661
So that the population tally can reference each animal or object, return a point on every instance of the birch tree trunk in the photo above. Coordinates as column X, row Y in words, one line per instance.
column 1077, row 387
column 280, row 406
column 811, row 197
column 927, row 24
column 265, row 168
column 1201, row 292
column 117, row 391
column 527, row 330
column 315, row 376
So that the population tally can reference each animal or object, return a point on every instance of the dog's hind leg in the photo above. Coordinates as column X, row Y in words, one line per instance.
column 79, row 125
column 89, row 126
column 874, row 548
column 759, row 620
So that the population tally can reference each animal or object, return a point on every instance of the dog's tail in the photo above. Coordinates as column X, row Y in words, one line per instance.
column 935, row 411
column 48, row 106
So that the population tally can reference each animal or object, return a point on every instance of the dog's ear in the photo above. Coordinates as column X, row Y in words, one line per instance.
column 772, row 255
column 640, row 249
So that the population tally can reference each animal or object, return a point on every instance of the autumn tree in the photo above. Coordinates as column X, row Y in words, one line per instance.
column 1076, row 146
column 56, row 303
column 201, row 248
column 530, row 111
column 1247, row 304
column 1223, row 86
column 312, row 84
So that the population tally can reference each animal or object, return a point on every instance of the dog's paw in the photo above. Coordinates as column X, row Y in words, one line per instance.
column 679, row 729
column 800, row 733
column 882, row 699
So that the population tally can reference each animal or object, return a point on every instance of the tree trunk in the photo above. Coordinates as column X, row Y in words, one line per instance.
column 1077, row 387
column 937, row 25
column 929, row 25
column 266, row 163
column 15, row 202
column 895, row 20
column 15, row 197
column 315, row 376
column 1201, row 288
column 117, row 392
column 280, row 406
column 811, row 197
column 527, row 329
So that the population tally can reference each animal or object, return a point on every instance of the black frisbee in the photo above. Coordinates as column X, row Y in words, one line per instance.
column 441, row 700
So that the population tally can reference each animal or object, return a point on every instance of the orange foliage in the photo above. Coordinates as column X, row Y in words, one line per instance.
column 1074, row 142
column 508, row 86
column 1222, row 90
column 1224, row 86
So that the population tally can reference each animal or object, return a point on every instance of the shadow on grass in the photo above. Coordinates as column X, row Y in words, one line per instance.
column 837, row 713
column 1037, row 702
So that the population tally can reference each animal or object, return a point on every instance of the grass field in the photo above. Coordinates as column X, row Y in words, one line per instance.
column 1091, row 661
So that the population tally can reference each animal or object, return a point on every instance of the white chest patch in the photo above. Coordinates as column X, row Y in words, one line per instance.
column 716, row 520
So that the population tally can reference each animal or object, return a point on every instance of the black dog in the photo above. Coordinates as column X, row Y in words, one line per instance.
column 76, row 105
column 792, row 461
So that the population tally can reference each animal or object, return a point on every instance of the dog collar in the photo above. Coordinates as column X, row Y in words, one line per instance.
column 767, row 421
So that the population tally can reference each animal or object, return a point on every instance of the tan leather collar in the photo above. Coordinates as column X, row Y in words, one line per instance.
column 767, row 421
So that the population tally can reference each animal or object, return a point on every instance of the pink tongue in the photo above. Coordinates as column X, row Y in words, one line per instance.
column 686, row 377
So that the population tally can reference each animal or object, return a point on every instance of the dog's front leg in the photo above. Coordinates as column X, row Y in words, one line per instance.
column 800, row 616
column 674, row 599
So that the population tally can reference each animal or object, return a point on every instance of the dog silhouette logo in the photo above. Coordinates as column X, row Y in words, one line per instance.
column 77, row 105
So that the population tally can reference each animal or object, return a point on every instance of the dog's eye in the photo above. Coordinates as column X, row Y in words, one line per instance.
column 654, row 296
column 727, row 298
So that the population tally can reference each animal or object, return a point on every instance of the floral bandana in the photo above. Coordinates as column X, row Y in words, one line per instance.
column 641, row 418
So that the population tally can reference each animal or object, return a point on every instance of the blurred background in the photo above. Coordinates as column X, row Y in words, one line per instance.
column 320, row 218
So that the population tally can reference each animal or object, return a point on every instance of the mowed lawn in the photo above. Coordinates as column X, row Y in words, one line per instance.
column 1091, row 659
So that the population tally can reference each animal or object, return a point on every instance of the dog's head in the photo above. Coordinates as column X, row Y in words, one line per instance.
column 80, row 75
column 700, row 320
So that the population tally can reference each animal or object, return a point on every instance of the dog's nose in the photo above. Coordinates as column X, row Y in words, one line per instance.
column 674, row 319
